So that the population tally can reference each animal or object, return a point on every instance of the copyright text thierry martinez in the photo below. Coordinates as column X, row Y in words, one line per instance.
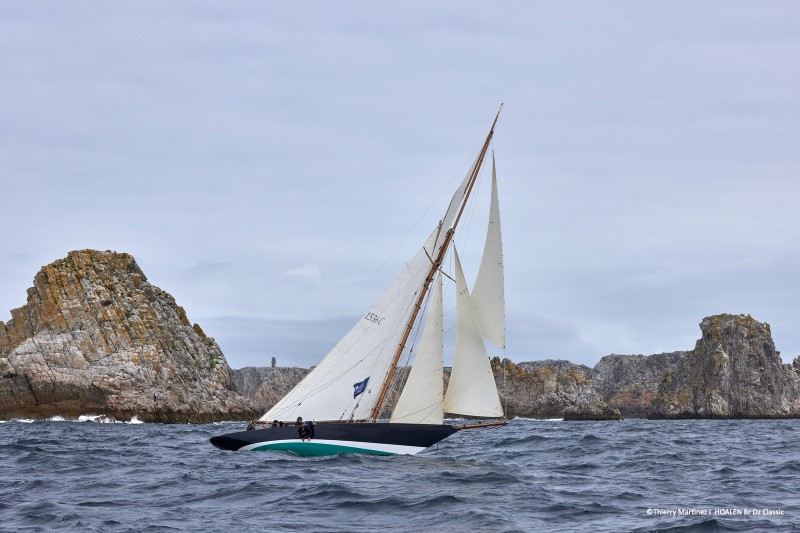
column 713, row 511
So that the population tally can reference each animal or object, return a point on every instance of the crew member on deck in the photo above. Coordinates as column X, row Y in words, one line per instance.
column 305, row 431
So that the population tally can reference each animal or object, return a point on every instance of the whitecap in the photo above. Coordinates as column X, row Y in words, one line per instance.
column 100, row 419
column 135, row 420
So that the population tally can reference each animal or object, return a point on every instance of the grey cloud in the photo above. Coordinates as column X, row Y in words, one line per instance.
column 647, row 158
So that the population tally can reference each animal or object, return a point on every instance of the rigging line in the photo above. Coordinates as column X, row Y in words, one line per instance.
column 464, row 238
column 428, row 408
column 417, row 328
column 440, row 254
column 322, row 384
column 381, row 345
column 445, row 274
column 413, row 228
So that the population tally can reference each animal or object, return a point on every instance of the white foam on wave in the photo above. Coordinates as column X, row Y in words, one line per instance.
column 99, row 419
column 539, row 419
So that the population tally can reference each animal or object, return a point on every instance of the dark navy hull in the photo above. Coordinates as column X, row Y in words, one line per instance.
column 379, row 438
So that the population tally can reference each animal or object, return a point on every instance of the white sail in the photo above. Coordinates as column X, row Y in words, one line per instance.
column 488, row 294
column 421, row 401
column 455, row 203
column 345, row 385
column 472, row 390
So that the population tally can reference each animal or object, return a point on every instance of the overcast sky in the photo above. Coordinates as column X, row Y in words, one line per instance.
column 273, row 164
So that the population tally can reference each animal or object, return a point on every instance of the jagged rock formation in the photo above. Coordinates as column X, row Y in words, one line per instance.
column 733, row 372
column 95, row 337
column 265, row 386
column 549, row 389
column 540, row 389
column 630, row 382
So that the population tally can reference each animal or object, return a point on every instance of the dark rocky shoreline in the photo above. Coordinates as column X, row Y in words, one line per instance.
column 734, row 372
column 96, row 338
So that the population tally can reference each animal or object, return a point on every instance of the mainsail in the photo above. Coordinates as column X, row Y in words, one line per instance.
column 336, row 388
column 329, row 391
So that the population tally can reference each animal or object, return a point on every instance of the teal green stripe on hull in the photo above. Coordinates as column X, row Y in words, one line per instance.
column 315, row 449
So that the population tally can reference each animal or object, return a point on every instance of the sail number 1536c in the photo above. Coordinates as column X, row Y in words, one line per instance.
column 372, row 317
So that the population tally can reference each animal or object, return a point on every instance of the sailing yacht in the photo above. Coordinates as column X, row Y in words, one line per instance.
column 345, row 393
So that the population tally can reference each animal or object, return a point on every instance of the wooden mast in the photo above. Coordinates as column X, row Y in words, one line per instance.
column 435, row 265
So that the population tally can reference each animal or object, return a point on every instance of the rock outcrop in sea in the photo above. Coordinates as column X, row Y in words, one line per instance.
column 630, row 382
column 264, row 386
column 96, row 338
column 733, row 372
column 549, row 389
column 540, row 389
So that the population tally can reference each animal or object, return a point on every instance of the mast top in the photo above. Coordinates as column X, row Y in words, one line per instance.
column 497, row 116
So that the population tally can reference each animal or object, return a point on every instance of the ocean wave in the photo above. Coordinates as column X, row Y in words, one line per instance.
column 522, row 477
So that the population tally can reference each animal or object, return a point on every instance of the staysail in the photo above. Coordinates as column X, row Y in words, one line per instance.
column 472, row 390
column 488, row 294
column 421, row 401
column 423, row 395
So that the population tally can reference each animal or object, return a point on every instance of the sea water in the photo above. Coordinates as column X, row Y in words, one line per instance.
column 532, row 475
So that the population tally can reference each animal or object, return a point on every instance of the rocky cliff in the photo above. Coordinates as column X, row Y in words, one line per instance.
column 734, row 371
column 265, row 386
column 630, row 382
column 540, row 389
column 95, row 337
column 549, row 389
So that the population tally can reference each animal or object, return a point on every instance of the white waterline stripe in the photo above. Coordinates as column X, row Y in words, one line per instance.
column 375, row 446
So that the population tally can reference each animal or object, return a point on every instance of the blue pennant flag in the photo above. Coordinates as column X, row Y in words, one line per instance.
column 359, row 387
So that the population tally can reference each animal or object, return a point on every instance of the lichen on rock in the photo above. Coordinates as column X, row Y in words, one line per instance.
column 734, row 371
column 95, row 337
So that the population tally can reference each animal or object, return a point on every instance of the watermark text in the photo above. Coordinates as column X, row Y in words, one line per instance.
column 713, row 511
